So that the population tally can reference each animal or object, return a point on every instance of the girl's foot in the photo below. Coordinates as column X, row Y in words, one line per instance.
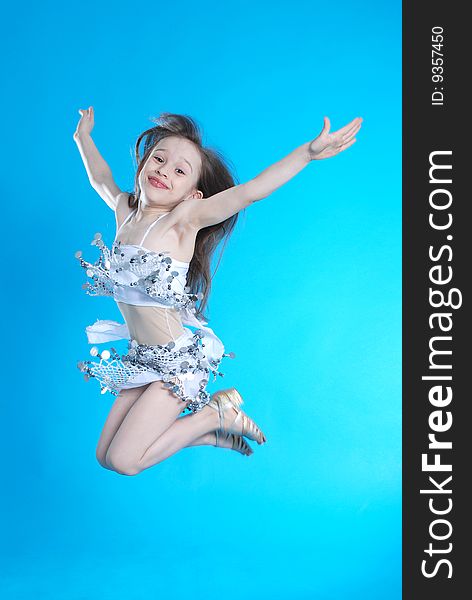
column 231, row 441
column 231, row 418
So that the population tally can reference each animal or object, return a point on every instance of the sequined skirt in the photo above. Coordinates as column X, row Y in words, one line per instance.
column 184, row 365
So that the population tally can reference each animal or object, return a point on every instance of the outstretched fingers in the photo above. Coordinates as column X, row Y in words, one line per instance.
column 346, row 137
column 347, row 144
column 351, row 128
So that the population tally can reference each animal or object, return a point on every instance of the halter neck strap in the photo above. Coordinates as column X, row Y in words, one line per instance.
column 147, row 230
column 126, row 220
column 151, row 226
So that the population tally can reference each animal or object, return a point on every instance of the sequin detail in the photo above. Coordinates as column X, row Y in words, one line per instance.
column 146, row 270
column 171, row 363
column 186, row 365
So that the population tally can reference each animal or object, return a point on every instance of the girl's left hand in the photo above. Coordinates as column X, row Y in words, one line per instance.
column 329, row 144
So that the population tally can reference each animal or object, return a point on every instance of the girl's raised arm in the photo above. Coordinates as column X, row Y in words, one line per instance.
column 98, row 171
column 221, row 206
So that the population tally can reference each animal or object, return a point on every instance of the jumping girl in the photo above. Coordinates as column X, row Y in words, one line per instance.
column 184, row 203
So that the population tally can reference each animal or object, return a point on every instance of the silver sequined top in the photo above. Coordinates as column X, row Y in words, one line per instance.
column 135, row 275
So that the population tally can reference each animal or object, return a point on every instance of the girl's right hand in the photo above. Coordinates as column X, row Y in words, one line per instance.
column 86, row 122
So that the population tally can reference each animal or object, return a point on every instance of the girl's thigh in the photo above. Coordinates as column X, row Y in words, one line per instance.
column 124, row 401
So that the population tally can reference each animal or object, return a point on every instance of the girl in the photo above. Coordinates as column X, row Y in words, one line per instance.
column 184, row 203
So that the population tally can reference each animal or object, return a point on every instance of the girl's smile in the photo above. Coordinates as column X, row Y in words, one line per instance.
column 156, row 182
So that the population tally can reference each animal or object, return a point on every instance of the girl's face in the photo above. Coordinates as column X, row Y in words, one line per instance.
column 171, row 172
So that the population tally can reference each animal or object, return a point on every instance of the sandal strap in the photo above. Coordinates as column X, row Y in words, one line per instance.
column 220, row 413
column 249, row 428
column 239, row 443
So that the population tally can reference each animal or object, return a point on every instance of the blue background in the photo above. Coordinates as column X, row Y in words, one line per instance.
column 308, row 296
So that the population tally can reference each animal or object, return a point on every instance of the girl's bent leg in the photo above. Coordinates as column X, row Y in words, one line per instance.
column 124, row 401
column 150, row 416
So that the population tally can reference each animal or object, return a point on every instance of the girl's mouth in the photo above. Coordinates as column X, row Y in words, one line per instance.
column 157, row 183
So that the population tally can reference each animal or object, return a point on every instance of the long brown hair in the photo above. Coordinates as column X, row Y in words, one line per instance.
column 215, row 176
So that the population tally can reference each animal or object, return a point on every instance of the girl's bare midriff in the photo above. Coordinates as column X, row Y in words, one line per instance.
column 151, row 325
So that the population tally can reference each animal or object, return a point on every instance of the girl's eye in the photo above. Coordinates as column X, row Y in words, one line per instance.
column 161, row 160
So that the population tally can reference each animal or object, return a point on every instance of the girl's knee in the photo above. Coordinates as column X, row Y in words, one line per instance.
column 100, row 452
column 121, row 464
column 101, row 458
